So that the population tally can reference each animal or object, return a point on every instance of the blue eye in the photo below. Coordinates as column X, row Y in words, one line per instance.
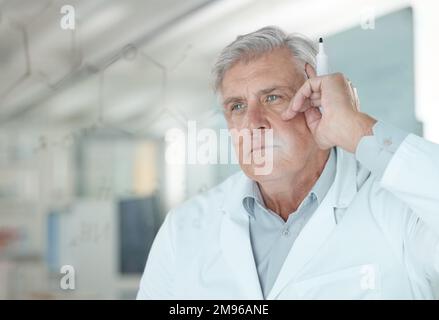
column 237, row 106
column 271, row 98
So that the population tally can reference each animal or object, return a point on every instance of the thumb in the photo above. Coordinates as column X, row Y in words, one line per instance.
column 310, row 71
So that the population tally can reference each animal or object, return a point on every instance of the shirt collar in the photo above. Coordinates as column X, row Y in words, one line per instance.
column 324, row 182
column 252, row 193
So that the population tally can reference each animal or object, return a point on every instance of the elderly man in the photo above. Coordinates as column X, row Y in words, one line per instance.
column 350, row 209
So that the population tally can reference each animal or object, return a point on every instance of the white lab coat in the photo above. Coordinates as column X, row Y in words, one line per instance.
column 369, row 239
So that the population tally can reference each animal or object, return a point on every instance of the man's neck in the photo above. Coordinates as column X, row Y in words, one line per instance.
column 285, row 194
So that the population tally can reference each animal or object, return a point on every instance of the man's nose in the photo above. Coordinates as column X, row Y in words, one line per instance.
column 257, row 118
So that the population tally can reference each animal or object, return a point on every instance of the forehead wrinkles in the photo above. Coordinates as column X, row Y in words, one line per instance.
column 245, row 75
column 241, row 77
column 276, row 69
column 249, row 84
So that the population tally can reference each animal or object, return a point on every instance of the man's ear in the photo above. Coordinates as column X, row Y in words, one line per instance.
column 309, row 70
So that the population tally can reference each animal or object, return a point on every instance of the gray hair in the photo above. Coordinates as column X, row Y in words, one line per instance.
column 253, row 45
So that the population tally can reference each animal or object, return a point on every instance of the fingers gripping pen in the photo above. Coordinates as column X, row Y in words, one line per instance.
column 322, row 66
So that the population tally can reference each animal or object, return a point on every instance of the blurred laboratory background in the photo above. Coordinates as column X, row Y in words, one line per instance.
column 84, row 113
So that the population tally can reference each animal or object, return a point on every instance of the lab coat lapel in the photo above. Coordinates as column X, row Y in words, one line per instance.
column 321, row 224
column 235, row 241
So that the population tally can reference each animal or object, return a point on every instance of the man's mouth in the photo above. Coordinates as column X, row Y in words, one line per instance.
column 260, row 148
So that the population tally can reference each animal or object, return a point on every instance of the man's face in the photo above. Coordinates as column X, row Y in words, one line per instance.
column 254, row 95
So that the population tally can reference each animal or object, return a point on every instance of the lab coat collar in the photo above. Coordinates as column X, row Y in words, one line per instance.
column 241, row 187
column 235, row 238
